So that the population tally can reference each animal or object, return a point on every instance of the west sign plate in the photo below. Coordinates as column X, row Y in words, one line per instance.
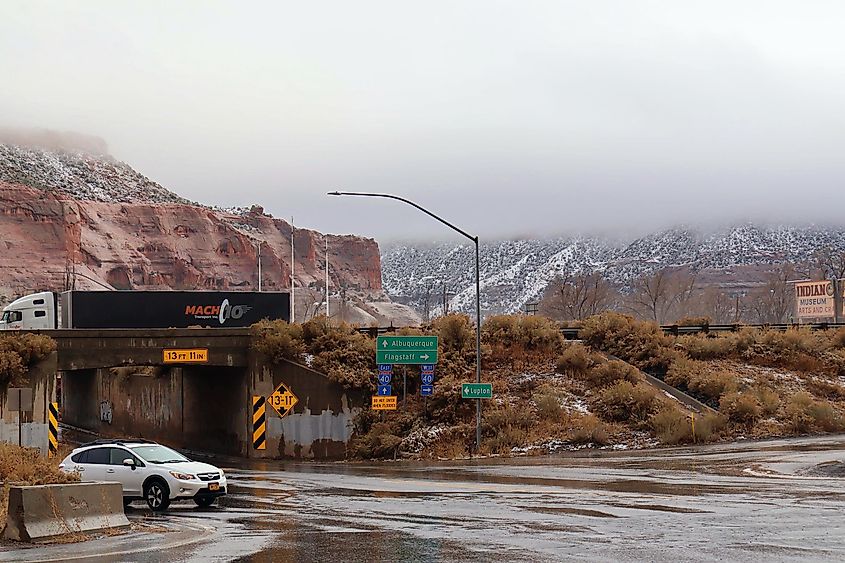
column 406, row 350
column 282, row 399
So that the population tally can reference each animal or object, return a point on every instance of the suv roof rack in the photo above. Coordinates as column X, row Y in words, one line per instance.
column 121, row 441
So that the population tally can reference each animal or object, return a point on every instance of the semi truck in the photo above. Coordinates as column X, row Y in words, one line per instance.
column 143, row 309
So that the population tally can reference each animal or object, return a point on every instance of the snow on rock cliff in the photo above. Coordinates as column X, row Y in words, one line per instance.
column 516, row 272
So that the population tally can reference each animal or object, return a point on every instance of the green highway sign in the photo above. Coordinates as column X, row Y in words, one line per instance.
column 476, row 390
column 406, row 350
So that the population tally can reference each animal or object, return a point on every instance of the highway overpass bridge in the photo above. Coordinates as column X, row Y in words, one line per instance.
column 196, row 389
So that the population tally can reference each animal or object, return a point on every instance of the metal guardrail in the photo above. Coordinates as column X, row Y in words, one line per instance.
column 677, row 330
column 572, row 333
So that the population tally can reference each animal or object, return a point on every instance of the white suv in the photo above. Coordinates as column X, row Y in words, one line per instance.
column 147, row 471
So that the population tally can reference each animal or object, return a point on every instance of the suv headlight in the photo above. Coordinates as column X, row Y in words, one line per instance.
column 183, row 476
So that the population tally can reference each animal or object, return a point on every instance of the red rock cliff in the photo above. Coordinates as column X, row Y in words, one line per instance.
column 46, row 234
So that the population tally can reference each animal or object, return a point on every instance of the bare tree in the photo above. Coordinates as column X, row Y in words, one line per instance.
column 577, row 297
column 830, row 263
column 774, row 302
column 664, row 294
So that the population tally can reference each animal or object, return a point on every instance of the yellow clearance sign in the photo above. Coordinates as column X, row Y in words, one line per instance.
column 814, row 299
column 194, row 356
column 384, row 403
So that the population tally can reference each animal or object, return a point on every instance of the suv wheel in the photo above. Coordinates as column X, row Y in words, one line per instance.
column 204, row 502
column 157, row 495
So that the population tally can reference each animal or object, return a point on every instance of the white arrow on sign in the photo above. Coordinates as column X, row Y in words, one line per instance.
column 425, row 356
column 384, row 343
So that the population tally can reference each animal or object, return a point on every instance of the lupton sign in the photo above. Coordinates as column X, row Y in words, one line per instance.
column 406, row 350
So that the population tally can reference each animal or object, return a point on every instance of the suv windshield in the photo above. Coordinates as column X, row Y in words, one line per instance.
column 158, row 454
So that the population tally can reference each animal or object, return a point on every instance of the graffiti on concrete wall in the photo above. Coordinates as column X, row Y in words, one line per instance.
column 105, row 411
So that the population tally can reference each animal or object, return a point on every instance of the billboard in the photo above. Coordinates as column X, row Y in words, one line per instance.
column 171, row 309
column 814, row 299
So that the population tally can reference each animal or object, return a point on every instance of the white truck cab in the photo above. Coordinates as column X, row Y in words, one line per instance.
column 31, row 312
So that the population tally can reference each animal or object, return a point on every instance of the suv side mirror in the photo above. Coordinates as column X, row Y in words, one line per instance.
column 129, row 462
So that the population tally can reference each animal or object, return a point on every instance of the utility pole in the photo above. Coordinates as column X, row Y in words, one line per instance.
column 327, row 278
column 292, row 295
column 474, row 239
column 259, row 266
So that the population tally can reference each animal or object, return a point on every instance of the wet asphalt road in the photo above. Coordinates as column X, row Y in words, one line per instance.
column 765, row 501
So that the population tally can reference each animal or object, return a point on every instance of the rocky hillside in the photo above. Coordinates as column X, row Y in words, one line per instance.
column 514, row 272
column 67, row 210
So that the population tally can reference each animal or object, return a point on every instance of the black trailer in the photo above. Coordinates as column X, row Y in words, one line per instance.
column 171, row 309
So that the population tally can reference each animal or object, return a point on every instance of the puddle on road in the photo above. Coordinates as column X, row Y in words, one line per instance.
column 568, row 510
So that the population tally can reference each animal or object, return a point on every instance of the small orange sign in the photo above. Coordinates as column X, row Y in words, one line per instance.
column 282, row 399
column 384, row 403
column 196, row 356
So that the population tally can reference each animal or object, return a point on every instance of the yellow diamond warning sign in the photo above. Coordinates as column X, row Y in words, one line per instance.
column 282, row 399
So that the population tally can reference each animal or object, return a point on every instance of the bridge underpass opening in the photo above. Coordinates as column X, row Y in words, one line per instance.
column 216, row 406
column 201, row 408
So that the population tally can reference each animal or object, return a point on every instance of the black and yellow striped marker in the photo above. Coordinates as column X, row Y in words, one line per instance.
column 53, row 420
column 259, row 423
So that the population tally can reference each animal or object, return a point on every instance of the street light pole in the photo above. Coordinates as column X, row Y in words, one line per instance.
column 474, row 239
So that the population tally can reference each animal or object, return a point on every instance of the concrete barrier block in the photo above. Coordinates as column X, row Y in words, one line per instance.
column 45, row 511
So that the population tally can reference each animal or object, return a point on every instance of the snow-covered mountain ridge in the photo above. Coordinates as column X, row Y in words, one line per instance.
column 515, row 272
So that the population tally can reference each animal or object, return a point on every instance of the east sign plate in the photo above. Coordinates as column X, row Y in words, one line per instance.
column 406, row 350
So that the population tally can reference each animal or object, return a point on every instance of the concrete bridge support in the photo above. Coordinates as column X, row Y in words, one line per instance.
column 115, row 384
column 30, row 428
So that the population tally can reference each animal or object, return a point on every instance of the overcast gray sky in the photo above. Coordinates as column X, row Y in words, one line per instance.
column 509, row 118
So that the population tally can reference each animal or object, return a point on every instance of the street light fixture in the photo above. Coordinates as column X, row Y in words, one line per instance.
column 474, row 239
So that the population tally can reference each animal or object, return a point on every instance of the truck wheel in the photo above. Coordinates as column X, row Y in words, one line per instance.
column 157, row 495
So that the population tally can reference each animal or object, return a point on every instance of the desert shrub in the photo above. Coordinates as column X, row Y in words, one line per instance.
column 345, row 356
column 314, row 328
column 742, row 408
column 805, row 414
column 769, row 400
column 539, row 334
column 19, row 351
column 548, row 406
column 456, row 332
column 637, row 342
column 278, row 340
column 826, row 389
column 797, row 339
column 624, row 401
column 610, row 372
column 704, row 347
column 505, row 439
column 525, row 332
column 671, row 426
column 694, row 321
column 709, row 387
column 506, row 416
column 575, row 359
column 588, row 429
column 684, row 370
column 378, row 442
column 838, row 338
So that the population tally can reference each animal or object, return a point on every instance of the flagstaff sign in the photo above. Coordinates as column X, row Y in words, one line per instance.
column 814, row 299
column 406, row 350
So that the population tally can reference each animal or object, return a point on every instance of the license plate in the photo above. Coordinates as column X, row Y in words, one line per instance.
column 214, row 486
